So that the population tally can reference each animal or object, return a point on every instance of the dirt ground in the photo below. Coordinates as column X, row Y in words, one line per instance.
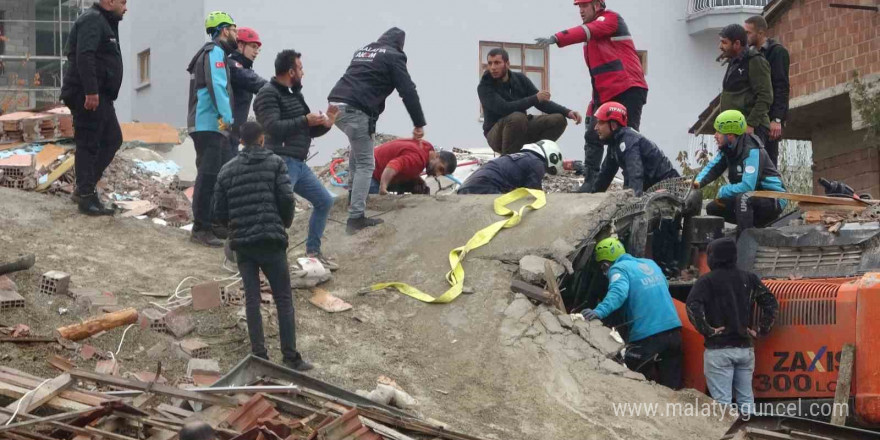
column 449, row 357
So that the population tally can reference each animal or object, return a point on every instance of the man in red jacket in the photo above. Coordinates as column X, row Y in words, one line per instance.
column 615, row 70
column 401, row 163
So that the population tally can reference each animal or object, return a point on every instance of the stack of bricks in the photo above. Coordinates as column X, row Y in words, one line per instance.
column 40, row 127
column 11, row 127
column 65, row 121
column 18, row 172
column 859, row 169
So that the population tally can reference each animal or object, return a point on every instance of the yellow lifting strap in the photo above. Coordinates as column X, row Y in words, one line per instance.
column 455, row 277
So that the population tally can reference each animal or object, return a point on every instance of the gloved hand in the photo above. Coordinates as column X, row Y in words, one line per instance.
column 589, row 314
column 545, row 42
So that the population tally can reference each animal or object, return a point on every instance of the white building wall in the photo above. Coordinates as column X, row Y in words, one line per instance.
column 442, row 46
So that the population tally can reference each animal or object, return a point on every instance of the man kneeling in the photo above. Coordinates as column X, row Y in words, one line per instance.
column 749, row 168
column 400, row 164
column 519, row 170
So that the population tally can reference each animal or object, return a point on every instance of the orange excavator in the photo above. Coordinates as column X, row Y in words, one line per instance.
column 827, row 285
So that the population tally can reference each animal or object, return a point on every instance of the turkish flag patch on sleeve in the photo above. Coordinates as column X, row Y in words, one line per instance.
column 220, row 64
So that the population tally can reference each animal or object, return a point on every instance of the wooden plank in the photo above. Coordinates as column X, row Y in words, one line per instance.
column 84, row 397
column 47, row 155
column 819, row 200
column 58, row 403
column 383, row 430
column 534, row 292
column 57, row 173
column 37, row 398
column 153, row 388
column 37, row 420
column 844, row 380
column 831, row 209
column 150, row 133
column 553, row 287
column 179, row 412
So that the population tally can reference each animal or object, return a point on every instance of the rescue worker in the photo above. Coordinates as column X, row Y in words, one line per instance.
column 376, row 70
column 210, row 118
column 644, row 165
column 506, row 96
column 720, row 306
column 615, row 69
column 638, row 286
column 749, row 168
column 525, row 169
column 780, row 63
column 401, row 163
column 245, row 82
column 91, row 85
column 747, row 85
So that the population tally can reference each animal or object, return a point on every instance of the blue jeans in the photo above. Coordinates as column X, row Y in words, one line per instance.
column 306, row 185
column 729, row 371
column 374, row 186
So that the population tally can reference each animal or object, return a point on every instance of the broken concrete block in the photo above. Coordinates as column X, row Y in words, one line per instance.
column 202, row 366
column 565, row 321
column 531, row 269
column 152, row 319
column 195, row 348
column 109, row 367
column 205, row 379
column 10, row 300
column 179, row 324
column 550, row 322
column 599, row 337
column 518, row 308
column 613, row 367
column 635, row 376
column 157, row 351
column 206, row 296
column 54, row 283
column 87, row 352
column 7, row 284
column 533, row 332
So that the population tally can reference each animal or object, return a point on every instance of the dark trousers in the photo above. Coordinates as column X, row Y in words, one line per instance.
column 212, row 151
column 744, row 211
column 511, row 132
column 633, row 100
column 98, row 138
column 658, row 357
column 772, row 148
column 273, row 263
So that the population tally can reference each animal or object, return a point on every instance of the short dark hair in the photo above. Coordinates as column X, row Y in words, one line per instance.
column 499, row 51
column 196, row 431
column 250, row 133
column 758, row 22
column 735, row 32
column 449, row 160
column 286, row 60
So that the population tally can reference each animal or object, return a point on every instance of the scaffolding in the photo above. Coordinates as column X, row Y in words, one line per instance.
column 33, row 38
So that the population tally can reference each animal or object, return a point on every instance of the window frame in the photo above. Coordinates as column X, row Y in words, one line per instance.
column 142, row 68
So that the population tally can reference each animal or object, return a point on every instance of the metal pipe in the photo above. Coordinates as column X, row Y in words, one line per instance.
column 271, row 389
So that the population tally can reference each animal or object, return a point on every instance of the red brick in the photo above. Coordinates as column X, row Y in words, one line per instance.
column 206, row 296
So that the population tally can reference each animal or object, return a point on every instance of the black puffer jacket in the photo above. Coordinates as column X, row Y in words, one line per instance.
column 94, row 60
column 254, row 198
column 245, row 84
column 644, row 164
column 725, row 297
column 518, row 94
column 375, row 71
column 282, row 113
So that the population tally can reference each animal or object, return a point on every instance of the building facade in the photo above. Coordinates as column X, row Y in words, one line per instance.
column 678, row 44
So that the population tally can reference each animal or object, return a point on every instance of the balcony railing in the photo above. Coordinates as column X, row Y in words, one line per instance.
column 703, row 6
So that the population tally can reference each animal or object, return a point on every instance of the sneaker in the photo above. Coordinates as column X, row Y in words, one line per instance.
column 328, row 263
column 356, row 224
column 299, row 364
column 206, row 238
column 90, row 205
column 220, row 231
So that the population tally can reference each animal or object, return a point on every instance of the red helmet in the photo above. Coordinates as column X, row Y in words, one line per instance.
column 578, row 2
column 247, row 35
column 612, row 111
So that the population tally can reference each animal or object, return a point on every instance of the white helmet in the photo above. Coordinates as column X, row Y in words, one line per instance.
column 551, row 154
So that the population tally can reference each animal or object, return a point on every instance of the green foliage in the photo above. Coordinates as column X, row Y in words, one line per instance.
column 702, row 159
column 867, row 103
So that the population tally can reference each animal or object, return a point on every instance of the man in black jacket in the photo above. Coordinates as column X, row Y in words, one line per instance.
column 245, row 82
column 376, row 70
column 720, row 307
column 254, row 199
column 747, row 85
column 91, row 85
column 644, row 165
column 525, row 169
column 290, row 127
column 506, row 96
column 780, row 62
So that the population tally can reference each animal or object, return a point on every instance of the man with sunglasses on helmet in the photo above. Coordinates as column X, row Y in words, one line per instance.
column 644, row 164
column 245, row 82
column 524, row 169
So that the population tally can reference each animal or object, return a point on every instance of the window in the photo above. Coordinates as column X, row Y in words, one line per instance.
column 143, row 69
column 643, row 56
column 525, row 58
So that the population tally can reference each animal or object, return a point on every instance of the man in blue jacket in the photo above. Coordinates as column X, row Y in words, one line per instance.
column 639, row 287
column 210, row 118
column 749, row 168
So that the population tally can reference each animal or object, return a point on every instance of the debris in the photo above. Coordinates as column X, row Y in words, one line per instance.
column 78, row 332
column 57, row 173
column 152, row 319
column 109, row 367
column 136, row 208
column 155, row 294
column 77, row 293
column 87, row 352
column 531, row 268
column 179, row 323
column 149, row 133
column 60, row 363
column 152, row 387
column 531, row 291
column 195, row 348
column 7, row 284
column 388, row 392
column 62, row 311
column 22, row 262
column 550, row 322
column 54, row 283
column 17, row 331
column 157, row 350
column 323, row 300
column 206, row 296
column 146, row 376
column 99, row 302
column 10, row 300
column 247, row 416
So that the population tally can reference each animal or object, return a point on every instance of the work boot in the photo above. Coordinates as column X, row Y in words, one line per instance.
column 206, row 238
column 220, row 231
column 328, row 263
column 299, row 364
column 356, row 224
column 91, row 205
column 76, row 196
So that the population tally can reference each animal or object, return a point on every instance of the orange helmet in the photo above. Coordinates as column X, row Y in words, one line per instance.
column 612, row 111
column 248, row 35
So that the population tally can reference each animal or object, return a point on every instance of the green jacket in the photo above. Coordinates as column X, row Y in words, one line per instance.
column 748, row 88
